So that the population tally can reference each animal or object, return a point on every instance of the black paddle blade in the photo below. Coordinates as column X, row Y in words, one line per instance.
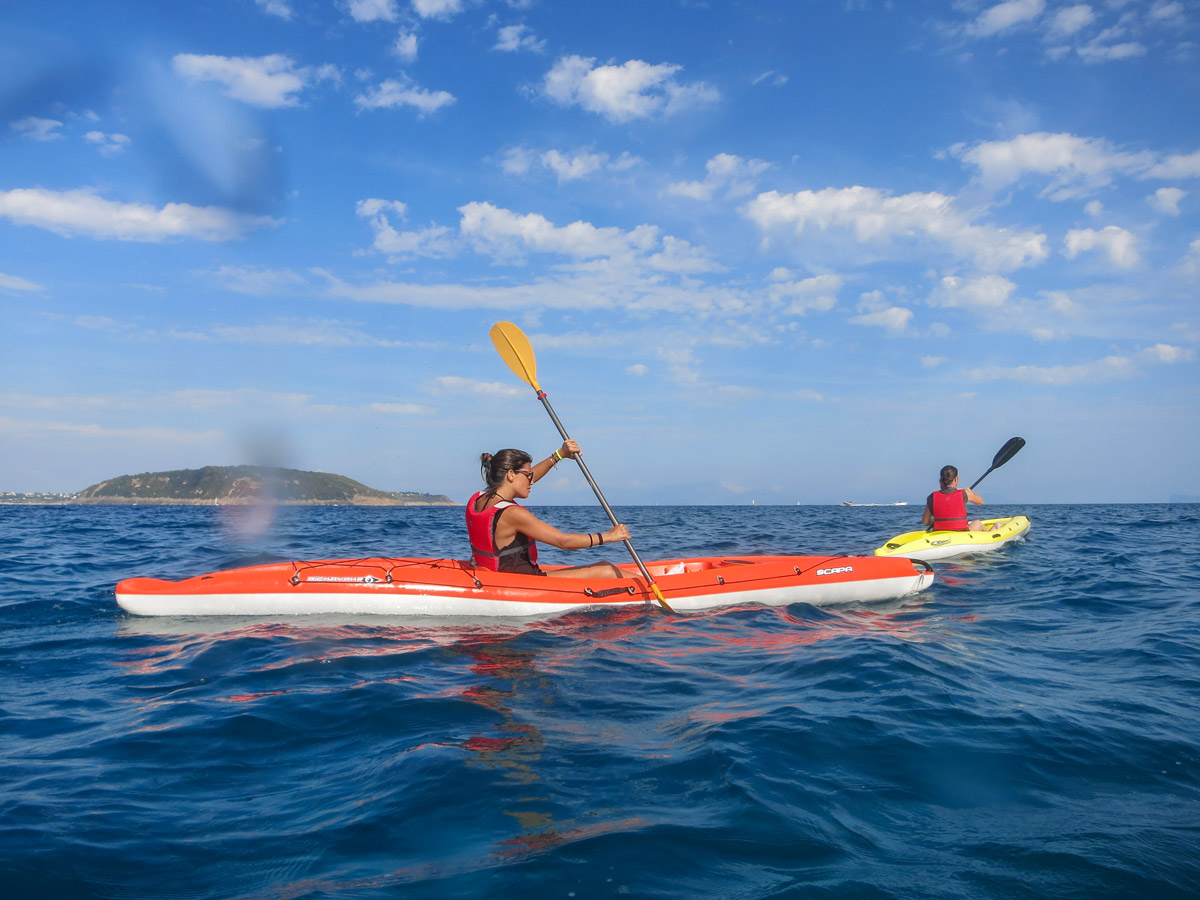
column 1003, row 455
column 1008, row 451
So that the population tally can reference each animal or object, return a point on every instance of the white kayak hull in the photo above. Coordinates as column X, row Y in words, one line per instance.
column 408, row 587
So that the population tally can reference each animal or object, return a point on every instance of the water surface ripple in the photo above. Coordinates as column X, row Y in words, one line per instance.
column 1025, row 729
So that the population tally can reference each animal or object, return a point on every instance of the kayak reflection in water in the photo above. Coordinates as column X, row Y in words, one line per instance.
column 503, row 533
column 946, row 509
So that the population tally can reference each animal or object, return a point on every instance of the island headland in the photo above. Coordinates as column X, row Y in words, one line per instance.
column 236, row 486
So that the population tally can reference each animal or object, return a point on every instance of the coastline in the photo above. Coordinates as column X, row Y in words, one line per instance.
column 234, row 501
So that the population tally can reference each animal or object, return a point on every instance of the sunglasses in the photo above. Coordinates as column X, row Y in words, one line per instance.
column 528, row 473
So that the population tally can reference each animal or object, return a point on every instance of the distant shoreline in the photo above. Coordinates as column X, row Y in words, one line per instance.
column 240, row 501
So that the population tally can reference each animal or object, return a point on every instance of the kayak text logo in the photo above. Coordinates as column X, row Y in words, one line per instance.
column 835, row 571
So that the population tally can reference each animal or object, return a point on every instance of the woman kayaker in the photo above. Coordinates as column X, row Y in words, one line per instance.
column 503, row 533
column 946, row 509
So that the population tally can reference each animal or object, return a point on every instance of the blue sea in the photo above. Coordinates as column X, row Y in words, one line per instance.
column 1026, row 728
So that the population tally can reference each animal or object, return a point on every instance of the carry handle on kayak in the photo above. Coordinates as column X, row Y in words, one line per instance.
column 1003, row 455
column 516, row 351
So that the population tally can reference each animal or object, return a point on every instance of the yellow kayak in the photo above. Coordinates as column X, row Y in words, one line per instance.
column 938, row 545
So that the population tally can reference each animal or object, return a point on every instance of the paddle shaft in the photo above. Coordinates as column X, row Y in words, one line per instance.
column 983, row 476
column 612, row 517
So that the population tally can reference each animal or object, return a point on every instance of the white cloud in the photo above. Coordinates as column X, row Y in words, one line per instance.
column 637, row 370
column 452, row 384
column 406, row 46
column 1167, row 354
column 1119, row 244
column 1166, row 200
column 633, row 90
column 681, row 257
column 735, row 176
column 84, row 212
column 506, row 236
column 1005, row 16
column 372, row 10
column 436, row 240
column 1070, row 20
column 877, row 217
column 1076, row 166
column 1177, row 166
column 874, row 311
column 292, row 333
column 894, row 319
column 35, row 128
column 107, row 144
column 682, row 365
column 16, row 283
column 517, row 160
column 280, row 8
column 776, row 78
column 1103, row 49
column 259, row 282
column 269, row 82
column 394, row 94
column 437, row 9
column 816, row 294
column 502, row 232
column 986, row 293
column 566, row 166
column 1168, row 12
column 512, row 38
column 1191, row 260
column 571, row 168
column 932, row 362
column 401, row 409
column 1107, row 369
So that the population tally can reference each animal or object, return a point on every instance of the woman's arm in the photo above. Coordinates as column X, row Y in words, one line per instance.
column 973, row 497
column 566, row 451
column 518, row 519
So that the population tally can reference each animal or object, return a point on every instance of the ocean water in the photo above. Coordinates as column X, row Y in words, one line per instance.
column 1027, row 728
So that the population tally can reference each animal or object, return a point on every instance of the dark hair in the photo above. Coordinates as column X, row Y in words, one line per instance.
column 494, row 466
column 947, row 476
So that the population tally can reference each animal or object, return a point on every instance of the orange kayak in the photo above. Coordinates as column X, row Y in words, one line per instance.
column 441, row 587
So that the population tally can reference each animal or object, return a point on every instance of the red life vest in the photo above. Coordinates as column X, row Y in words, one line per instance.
column 481, row 531
column 949, row 510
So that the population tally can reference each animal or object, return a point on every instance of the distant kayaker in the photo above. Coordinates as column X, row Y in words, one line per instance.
column 503, row 533
column 946, row 509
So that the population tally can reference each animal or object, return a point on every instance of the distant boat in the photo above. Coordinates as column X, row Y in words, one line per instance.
column 852, row 503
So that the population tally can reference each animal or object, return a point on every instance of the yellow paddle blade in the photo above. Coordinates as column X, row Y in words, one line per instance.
column 514, row 349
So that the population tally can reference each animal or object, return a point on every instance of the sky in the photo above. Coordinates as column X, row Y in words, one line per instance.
column 772, row 252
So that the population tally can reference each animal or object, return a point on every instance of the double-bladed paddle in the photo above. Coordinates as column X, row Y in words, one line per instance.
column 514, row 348
column 1003, row 455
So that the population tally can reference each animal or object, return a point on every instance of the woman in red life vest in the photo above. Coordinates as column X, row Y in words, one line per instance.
column 503, row 533
column 946, row 510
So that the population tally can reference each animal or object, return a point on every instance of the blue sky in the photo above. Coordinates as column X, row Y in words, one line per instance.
column 776, row 252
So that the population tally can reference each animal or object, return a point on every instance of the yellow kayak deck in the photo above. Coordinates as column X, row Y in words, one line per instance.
column 936, row 545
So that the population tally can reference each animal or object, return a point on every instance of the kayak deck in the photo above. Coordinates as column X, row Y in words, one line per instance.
column 434, row 587
column 931, row 546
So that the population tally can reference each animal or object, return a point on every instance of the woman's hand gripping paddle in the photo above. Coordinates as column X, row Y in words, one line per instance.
column 515, row 350
column 1003, row 455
